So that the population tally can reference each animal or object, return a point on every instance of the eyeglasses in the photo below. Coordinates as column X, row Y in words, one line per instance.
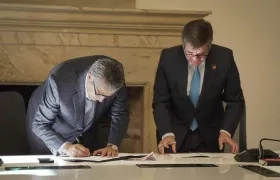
column 197, row 55
column 98, row 94
column 202, row 55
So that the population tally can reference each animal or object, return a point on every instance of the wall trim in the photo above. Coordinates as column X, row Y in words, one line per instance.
column 19, row 17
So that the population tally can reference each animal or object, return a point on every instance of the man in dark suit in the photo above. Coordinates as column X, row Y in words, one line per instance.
column 192, row 82
column 64, row 111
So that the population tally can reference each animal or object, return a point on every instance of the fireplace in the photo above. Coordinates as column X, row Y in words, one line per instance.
column 33, row 39
column 133, row 141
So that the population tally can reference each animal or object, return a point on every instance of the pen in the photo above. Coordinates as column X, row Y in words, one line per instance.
column 202, row 156
column 199, row 156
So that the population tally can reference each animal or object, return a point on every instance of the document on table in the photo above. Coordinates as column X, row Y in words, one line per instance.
column 149, row 157
column 197, row 155
column 89, row 158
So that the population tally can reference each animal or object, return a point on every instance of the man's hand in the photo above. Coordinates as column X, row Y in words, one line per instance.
column 77, row 150
column 166, row 142
column 225, row 138
column 107, row 151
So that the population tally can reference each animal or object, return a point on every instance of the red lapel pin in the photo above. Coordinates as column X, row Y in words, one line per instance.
column 214, row 67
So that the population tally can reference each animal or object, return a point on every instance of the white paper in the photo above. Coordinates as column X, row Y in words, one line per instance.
column 19, row 159
column 149, row 157
column 197, row 155
column 90, row 158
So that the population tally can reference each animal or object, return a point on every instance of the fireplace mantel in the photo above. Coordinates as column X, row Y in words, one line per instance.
column 92, row 20
column 33, row 39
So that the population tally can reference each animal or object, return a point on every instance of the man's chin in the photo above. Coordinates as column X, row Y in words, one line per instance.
column 196, row 63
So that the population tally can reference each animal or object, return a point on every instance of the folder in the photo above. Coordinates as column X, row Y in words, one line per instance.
column 174, row 165
column 105, row 159
column 17, row 168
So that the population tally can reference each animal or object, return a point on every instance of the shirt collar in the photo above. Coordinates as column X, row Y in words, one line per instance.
column 201, row 65
column 86, row 88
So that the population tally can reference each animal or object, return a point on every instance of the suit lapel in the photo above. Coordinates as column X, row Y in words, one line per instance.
column 97, row 109
column 209, row 72
column 182, row 70
column 183, row 77
column 79, row 100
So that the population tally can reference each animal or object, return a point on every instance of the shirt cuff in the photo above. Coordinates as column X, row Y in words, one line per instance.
column 167, row 134
column 63, row 148
column 225, row 132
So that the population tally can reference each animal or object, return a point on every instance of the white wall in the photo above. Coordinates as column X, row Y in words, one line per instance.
column 252, row 29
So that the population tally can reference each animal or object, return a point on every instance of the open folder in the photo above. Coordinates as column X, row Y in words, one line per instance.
column 99, row 159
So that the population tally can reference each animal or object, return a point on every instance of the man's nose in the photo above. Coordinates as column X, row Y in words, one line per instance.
column 195, row 57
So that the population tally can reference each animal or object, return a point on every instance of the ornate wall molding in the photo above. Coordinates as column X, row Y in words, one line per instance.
column 90, row 20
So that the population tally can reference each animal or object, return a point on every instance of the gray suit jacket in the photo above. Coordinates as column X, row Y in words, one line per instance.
column 56, row 109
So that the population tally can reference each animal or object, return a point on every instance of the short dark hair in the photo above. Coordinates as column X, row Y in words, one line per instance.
column 197, row 33
column 108, row 70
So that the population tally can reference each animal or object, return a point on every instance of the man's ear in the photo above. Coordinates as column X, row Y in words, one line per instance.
column 88, row 75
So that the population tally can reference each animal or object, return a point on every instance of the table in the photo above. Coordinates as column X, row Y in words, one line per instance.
column 228, row 169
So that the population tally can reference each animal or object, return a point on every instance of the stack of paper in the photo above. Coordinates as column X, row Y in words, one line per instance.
column 149, row 157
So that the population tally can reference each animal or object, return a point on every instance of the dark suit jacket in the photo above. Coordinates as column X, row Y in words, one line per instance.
column 172, row 108
column 56, row 109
